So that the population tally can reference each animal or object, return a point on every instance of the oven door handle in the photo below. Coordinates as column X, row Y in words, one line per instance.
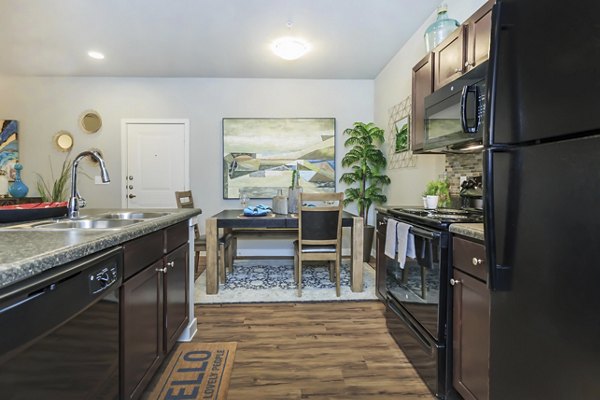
column 423, row 233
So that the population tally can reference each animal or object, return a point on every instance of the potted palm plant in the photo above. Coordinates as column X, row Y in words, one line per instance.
column 367, row 179
column 57, row 188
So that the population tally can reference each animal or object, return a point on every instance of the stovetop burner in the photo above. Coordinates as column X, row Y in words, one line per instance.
column 439, row 216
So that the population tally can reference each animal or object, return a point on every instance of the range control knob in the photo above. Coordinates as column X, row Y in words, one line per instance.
column 104, row 279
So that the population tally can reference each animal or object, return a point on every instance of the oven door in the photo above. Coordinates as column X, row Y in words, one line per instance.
column 417, row 287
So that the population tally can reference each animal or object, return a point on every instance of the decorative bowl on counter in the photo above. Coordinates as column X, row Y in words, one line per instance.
column 31, row 211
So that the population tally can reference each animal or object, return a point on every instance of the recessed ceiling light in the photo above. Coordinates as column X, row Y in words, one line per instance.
column 96, row 55
column 290, row 48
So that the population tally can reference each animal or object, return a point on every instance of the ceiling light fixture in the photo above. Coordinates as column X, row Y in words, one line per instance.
column 96, row 55
column 290, row 47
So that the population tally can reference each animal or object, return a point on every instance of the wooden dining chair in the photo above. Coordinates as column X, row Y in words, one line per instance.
column 184, row 199
column 319, row 234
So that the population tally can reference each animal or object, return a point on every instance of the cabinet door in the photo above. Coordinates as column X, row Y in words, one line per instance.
column 479, row 28
column 422, row 85
column 471, row 337
column 141, row 330
column 449, row 58
column 176, row 295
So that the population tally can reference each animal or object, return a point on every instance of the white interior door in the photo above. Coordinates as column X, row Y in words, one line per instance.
column 156, row 162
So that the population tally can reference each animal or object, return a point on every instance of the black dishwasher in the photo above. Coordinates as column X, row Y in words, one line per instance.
column 60, row 332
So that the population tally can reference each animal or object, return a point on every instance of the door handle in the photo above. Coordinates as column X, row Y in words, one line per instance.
column 131, row 196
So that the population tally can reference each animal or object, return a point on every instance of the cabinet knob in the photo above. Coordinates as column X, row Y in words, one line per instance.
column 477, row 261
column 131, row 196
column 454, row 282
column 163, row 270
column 171, row 264
column 459, row 69
column 469, row 64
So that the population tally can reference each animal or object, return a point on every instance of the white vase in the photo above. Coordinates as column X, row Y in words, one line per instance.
column 432, row 201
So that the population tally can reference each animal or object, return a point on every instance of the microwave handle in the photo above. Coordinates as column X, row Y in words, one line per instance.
column 463, row 108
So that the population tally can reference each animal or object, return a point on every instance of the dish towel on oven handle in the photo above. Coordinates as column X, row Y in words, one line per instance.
column 405, row 245
column 390, row 238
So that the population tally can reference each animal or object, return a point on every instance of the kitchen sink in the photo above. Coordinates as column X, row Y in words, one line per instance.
column 87, row 224
column 132, row 215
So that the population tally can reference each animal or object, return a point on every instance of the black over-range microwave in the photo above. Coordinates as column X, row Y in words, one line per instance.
column 455, row 113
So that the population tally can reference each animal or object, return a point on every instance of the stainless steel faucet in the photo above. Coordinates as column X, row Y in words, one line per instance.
column 76, row 201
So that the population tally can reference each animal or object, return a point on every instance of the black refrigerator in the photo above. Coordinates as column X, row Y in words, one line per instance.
column 542, row 205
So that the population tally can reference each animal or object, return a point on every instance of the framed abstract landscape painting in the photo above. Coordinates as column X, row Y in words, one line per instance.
column 261, row 154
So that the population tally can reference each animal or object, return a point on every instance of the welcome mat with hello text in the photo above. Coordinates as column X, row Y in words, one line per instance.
column 197, row 371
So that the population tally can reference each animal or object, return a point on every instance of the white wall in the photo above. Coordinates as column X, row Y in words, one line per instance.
column 44, row 106
column 393, row 85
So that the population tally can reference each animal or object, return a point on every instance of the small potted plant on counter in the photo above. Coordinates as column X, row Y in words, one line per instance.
column 367, row 162
column 437, row 193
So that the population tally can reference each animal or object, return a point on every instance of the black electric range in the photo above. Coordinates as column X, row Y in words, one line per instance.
column 416, row 289
column 439, row 217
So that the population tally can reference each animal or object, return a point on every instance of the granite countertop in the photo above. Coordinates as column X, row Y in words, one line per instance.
column 474, row 231
column 27, row 252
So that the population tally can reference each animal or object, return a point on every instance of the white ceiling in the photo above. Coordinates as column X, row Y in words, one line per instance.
column 351, row 39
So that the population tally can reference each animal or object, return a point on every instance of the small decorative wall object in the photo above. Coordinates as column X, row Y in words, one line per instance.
column 440, row 29
column 399, row 154
column 402, row 134
column 9, row 147
column 260, row 154
column 63, row 141
column 18, row 189
column 90, row 121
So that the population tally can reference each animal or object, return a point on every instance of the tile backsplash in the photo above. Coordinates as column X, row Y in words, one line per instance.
column 458, row 165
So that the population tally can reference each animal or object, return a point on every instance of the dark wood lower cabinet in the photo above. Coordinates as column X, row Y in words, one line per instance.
column 154, row 304
column 141, row 339
column 176, row 295
column 470, row 321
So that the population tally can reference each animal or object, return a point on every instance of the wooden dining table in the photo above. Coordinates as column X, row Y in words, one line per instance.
column 231, row 219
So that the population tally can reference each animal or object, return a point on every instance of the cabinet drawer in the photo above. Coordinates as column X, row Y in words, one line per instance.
column 176, row 235
column 470, row 257
column 141, row 252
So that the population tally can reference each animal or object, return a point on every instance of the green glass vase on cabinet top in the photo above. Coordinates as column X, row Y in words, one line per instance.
column 440, row 29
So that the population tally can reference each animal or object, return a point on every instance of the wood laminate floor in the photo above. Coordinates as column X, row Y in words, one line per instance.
column 315, row 351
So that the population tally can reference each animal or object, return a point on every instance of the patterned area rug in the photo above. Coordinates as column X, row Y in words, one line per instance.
column 261, row 281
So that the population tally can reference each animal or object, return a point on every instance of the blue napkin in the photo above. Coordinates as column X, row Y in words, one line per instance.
column 257, row 211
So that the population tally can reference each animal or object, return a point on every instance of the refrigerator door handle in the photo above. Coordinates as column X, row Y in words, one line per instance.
column 500, row 273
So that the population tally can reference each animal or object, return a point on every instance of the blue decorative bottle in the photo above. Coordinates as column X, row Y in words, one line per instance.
column 440, row 29
column 18, row 189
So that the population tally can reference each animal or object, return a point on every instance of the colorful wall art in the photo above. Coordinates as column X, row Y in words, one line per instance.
column 260, row 154
column 9, row 147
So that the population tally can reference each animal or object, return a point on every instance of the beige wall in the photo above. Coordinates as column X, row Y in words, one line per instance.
column 44, row 106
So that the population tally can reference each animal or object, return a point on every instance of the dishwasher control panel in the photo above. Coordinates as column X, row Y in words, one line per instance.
column 103, row 277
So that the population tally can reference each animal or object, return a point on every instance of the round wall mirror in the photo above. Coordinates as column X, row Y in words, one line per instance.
column 63, row 141
column 91, row 122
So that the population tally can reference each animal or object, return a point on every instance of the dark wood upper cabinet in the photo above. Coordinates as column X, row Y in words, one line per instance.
column 450, row 58
column 422, row 85
column 464, row 49
column 479, row 28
